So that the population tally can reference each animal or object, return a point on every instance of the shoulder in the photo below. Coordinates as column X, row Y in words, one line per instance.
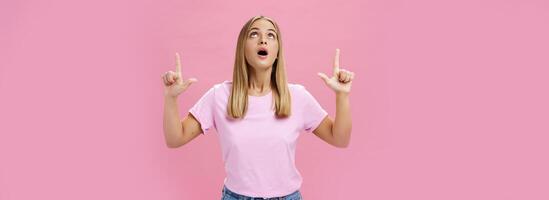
column 297, row 89
column 295, row 86
column 299, row 92
column 221, row 89
column 225, row 85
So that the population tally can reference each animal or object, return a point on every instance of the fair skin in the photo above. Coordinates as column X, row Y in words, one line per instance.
column 261, row 37
column 337, row 132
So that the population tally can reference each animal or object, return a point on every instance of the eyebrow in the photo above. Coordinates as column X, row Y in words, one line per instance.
column 255, row 28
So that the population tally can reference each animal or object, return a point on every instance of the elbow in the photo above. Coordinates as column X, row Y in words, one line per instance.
column 173, row 145
column 343, row 145
column 174, row 140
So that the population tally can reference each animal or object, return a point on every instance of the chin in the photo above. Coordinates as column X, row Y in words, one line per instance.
column 262, row 65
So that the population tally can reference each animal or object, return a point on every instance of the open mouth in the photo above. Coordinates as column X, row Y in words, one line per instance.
column 262, row 52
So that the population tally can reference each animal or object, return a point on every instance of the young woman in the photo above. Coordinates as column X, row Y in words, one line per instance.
column 258, row 115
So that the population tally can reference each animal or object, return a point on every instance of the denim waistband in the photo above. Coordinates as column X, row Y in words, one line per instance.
column 243, row 197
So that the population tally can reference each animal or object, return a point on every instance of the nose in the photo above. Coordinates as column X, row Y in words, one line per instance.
column 262, row 41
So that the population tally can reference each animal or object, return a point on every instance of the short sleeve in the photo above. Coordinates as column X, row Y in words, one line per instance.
column 313, row 113
column 203, row 110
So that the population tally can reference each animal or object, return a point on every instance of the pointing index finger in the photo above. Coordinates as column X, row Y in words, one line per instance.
column 177, row 64
column 336, row 62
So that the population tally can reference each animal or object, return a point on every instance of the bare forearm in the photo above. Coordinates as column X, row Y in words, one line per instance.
column 342, row 123
column 173, row 130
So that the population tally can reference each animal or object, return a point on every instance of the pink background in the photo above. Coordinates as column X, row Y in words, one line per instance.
column 449, row 102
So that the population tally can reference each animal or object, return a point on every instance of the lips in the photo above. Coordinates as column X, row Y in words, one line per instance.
column 262, row 52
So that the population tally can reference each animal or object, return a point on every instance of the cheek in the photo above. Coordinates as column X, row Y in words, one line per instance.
column 274, row 49
column 249, row 49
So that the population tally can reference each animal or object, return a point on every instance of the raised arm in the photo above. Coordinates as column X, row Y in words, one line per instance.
column 177, row 132
column 337, row 132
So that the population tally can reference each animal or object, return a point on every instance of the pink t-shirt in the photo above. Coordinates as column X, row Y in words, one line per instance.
column 259, row 150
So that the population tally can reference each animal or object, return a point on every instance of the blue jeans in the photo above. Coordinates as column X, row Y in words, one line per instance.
column 230, row 195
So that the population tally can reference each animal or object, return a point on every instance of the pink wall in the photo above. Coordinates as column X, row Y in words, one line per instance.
column 449, row 102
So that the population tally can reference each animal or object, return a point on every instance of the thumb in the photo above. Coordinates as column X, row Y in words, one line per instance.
column 324, row 77
column 190, row 81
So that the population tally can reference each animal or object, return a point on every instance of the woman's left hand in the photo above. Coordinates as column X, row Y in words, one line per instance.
column 341, row 80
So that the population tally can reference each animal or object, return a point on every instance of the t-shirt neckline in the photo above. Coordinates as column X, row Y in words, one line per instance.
column 262, row 96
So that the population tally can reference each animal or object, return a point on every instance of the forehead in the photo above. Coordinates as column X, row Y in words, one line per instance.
column 262, row 24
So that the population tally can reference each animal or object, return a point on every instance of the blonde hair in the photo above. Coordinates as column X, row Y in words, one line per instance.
column 238, row 100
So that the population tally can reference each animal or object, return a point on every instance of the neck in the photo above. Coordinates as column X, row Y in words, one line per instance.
column 260, row 81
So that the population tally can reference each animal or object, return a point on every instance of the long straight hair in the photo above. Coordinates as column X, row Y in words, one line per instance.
column 238, row 100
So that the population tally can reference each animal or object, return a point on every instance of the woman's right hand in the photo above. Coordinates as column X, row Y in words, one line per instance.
column 174, row 84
